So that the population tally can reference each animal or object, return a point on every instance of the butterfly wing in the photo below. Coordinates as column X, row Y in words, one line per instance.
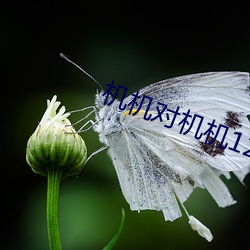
column 220, row 96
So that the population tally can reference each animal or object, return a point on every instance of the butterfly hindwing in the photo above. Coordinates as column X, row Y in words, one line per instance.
column 142, row 184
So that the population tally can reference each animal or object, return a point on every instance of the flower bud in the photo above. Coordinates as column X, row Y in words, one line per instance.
column 55, row 144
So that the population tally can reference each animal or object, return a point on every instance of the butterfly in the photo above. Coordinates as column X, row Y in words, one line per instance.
column 157, row 166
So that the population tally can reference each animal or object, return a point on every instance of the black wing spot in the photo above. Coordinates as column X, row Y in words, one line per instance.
column 248, row 117
column 233, row 119
column 190, row 181
column 212, row 149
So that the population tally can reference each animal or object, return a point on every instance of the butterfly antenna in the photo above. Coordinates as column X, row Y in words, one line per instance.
column 68, row 60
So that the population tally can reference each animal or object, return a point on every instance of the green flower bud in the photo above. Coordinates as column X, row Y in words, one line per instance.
column 55, row 144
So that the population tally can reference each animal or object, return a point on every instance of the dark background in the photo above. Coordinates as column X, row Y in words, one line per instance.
column 134, row 44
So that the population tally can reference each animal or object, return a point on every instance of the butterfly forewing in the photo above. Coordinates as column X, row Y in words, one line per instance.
column 220, row 96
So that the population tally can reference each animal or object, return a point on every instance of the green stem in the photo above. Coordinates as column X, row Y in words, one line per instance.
column 54, row 177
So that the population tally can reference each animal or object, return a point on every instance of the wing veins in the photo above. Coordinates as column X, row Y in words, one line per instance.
column 144, row 184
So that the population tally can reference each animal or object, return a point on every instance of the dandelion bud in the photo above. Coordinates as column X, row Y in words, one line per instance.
column 55, row 143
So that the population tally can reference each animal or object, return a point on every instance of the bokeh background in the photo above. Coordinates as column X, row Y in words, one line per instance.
column 134, row 44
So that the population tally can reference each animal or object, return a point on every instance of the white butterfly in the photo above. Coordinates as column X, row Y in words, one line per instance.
column 157, row 167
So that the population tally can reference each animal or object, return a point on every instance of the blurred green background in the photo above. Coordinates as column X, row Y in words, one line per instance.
column 133, row 44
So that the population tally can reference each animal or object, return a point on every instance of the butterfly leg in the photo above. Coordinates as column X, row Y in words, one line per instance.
column 86, row 116
column 94, row 153
column 81, row 129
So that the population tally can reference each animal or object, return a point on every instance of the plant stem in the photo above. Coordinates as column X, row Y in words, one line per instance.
column 54, row 177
